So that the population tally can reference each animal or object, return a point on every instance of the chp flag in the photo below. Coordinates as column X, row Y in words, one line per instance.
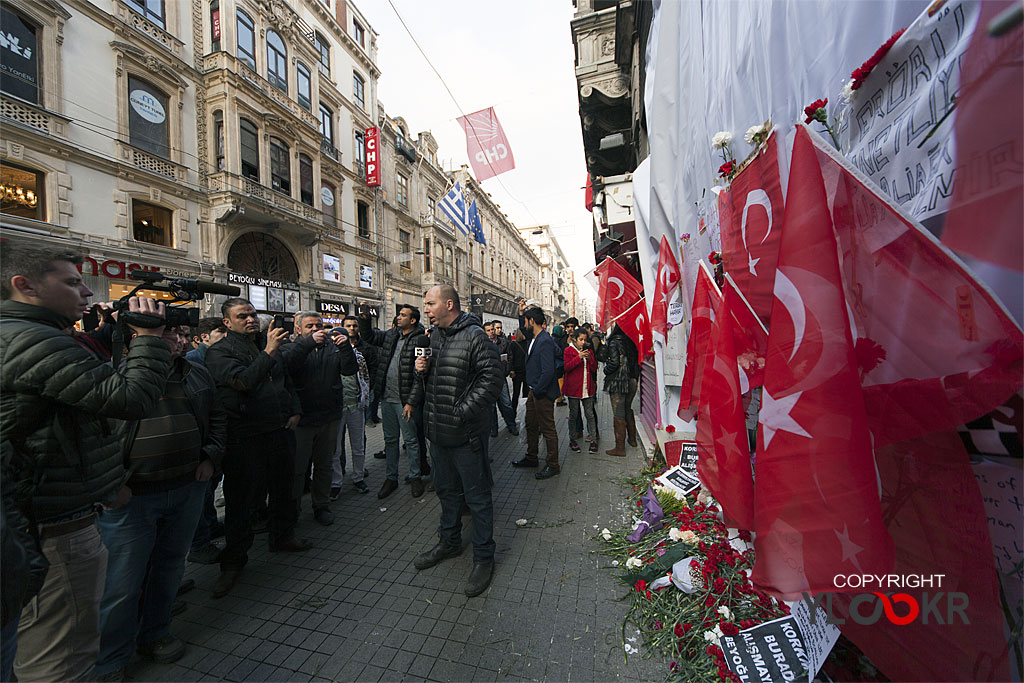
column 666, row 285
column 488, row 148
column 617, row 290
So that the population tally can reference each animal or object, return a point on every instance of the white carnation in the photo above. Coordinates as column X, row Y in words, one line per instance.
column 848, row 92
column 725, row 612
column 675, row 534
column 606, row 535
column 721, row 139
column 632, row 563
column 759, row 129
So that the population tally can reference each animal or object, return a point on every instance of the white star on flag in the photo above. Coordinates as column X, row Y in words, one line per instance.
column 850, row 549
column 775, row 416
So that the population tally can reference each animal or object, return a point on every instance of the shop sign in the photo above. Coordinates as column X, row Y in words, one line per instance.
column 241, row 279
column 332, row 308
column 372, row 148
column 147, row 106
column 116, row 270
column 216, row 24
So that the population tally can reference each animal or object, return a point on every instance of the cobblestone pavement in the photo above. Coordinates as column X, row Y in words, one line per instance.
column 355, row 609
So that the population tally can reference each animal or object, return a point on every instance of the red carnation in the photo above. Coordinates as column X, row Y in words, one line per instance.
column 640, row 586
column 815, row 111
column 729, row 629
column 727, row 169
column 860, row 74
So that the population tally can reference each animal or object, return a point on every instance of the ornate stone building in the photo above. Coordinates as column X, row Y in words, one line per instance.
column 557, row 285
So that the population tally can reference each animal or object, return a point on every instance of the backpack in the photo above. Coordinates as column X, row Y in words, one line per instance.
column 559, row 365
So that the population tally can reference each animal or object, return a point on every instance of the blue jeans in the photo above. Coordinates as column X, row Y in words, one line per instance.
column 463, row 474
column 507, row 410
column 147, row 541
column 395, row 425
column 208, row 522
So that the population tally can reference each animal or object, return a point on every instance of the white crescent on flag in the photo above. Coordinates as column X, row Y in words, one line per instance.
column 622, row 287
column 787, row 294
column 760, row 198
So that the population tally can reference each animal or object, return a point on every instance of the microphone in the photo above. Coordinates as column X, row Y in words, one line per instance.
column 422, row 350
column 207, row 287
column 190, row 285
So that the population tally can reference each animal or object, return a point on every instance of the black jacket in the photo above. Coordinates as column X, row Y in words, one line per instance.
column 621, row 363
column 201, row 392
column 387, row 341
column 55, row 401
column 517, row 352
column 541, row 366
column 316, row 375
column 254, row 387
column 25, row 566
column 502, row 343
column 371, row 354
column 462, row 384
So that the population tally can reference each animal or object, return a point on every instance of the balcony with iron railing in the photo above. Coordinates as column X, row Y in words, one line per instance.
column 258, row 86
column 326, row 147
column 240, row 190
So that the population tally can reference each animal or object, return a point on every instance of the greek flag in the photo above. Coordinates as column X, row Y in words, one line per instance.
column 475, row 225
column 453, row 205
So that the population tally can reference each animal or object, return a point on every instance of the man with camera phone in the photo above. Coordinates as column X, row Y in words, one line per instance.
column 262, row 412
column 57, row 401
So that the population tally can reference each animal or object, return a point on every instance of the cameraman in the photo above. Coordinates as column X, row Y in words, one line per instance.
column 56, row 399
column 262, row 412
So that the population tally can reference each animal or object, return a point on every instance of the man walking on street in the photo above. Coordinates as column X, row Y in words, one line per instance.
column 504, row 400
column 317, row 363
column 60, row 453
column 171, row 453
column 393, row 383
column 542, row 390
column 459, row 383
column 353, row 417
column 262, row 412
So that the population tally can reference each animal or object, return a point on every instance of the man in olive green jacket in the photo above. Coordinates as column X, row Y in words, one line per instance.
column 65, row 455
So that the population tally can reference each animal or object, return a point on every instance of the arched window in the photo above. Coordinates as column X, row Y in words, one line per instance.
column 249, row 145
column 245, row 32
column 448, row 263
column 148, row 127
column 261, row 254
column 277, row 62
column 280, row 169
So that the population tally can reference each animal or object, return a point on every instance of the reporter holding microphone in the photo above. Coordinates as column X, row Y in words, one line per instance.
column 457, row 385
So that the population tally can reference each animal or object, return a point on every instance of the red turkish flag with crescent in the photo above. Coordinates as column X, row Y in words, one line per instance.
column 486, row 144
column 880, row 344
column 635, row 323
column 617, row 290
column 722, row 444
column 706, row 298
column 667, row 283
column 751, row 216
column 750, row 338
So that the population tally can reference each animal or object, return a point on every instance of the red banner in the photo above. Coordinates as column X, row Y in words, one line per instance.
column 666, row 282
column 751, row 214
column 372, row 145
column 488, row 148
column 637, row 327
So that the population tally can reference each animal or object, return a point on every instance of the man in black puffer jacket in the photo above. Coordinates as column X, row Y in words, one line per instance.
column 262, row 412
column 56, row 405
column 393, row 383
column 459, row 384
column 316, row 362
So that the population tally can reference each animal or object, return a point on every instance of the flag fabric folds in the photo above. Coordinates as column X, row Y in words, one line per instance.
column 617, row 290
column 667, row 281
column 722, row 444
column 706, row 299
column 486, row 144
column 453, row 204
column 475, row 226
column 637, row 326
column 750, row 338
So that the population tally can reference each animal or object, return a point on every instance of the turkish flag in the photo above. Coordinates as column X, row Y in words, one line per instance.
column 984, row 218
column 486, row 144
column 706, row 298
column 817, row 507
column 750, row 338
column 635, row 323
column 722, row 444
column 751, row 220
column 667, row 282
column 617, row 290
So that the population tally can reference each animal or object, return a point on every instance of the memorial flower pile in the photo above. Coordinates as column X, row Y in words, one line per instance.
column 689, row 581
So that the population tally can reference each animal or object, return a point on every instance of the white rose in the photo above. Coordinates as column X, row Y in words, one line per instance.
column 848, row 92
column 606, row 535
column 632, row 563
column 721, row 139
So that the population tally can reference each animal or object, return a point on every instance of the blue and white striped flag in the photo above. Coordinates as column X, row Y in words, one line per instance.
column 454, row 206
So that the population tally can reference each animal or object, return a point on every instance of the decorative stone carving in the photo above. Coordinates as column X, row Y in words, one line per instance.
column 607, row 46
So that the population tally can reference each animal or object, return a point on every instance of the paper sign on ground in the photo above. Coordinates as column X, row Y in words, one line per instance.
column 679, row 478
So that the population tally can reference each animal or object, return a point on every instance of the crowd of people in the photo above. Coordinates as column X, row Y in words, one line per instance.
column 113, row 451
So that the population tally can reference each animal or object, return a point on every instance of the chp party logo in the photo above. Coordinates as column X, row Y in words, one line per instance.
column 901, row 609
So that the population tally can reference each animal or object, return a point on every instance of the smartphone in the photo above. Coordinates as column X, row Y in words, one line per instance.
column 504, row 358
column 278, row 323
column 91, row 319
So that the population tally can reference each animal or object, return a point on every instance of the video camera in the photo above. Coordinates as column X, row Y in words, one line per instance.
column 184, row 290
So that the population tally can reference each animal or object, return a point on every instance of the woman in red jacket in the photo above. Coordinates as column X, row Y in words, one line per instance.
column 580, row 387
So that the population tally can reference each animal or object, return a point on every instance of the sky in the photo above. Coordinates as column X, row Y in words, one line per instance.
column 518, row 58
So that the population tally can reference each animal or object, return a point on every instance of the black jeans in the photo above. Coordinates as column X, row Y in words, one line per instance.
column 253, row 464
column 462, row 474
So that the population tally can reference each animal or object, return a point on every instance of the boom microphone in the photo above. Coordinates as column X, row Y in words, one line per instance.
column 207, row 287
column 189, row 285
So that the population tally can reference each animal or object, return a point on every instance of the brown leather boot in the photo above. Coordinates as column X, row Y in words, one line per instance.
column 620, row 438
column 631, row 429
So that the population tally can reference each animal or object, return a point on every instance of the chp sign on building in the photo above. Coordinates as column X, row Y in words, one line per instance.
column 372, row 154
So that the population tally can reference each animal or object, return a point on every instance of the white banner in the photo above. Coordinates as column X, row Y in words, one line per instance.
column 898, row 129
